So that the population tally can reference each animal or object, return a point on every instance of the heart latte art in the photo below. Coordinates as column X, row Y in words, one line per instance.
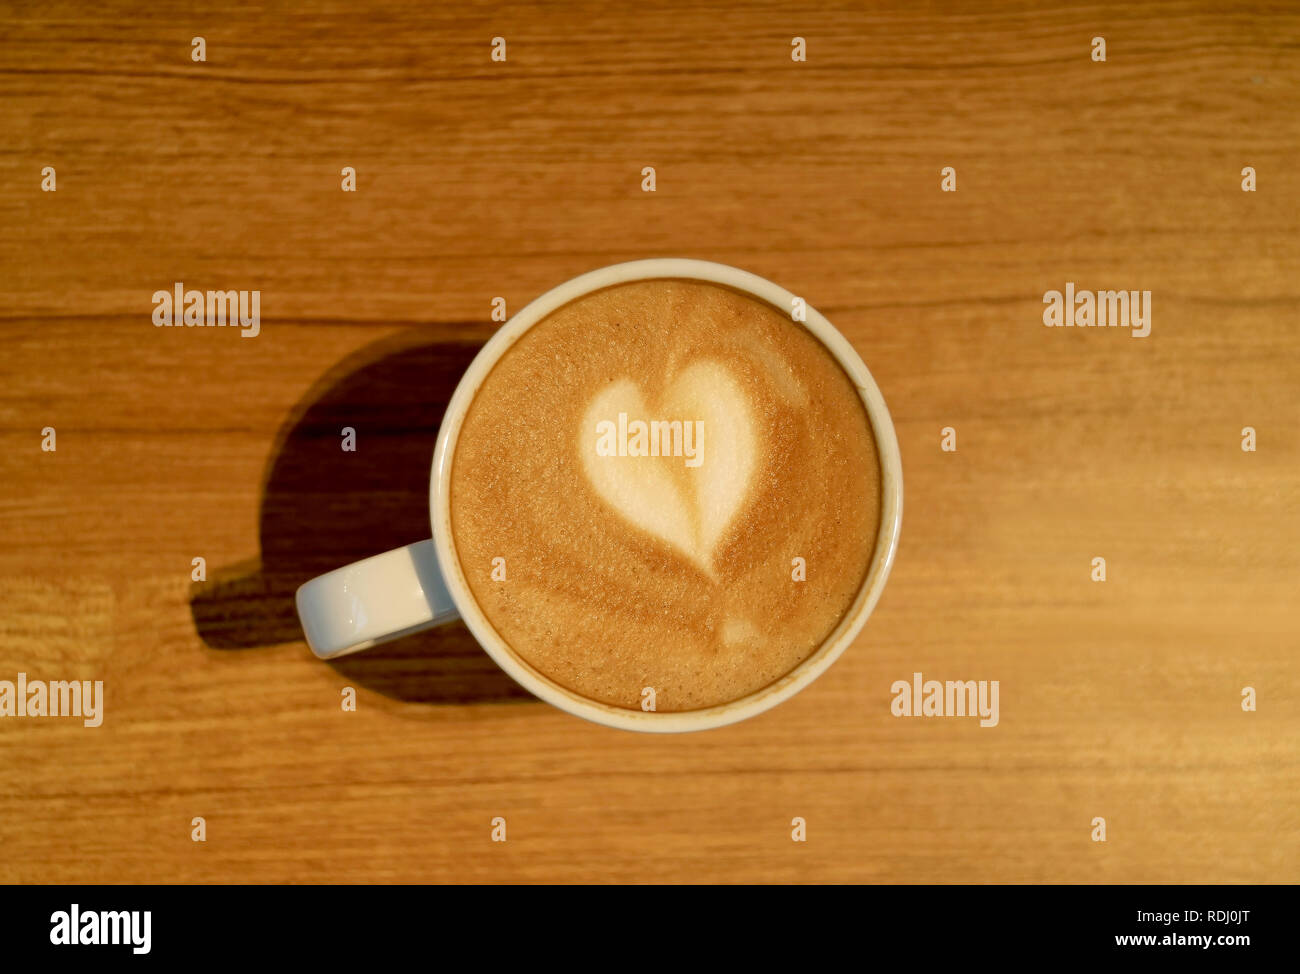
column 665, row 485
column 686, row 504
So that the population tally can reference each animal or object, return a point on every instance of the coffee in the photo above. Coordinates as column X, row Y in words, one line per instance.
column 667, row 485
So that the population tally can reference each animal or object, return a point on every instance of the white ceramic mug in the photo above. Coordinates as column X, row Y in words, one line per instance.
column 422, row 585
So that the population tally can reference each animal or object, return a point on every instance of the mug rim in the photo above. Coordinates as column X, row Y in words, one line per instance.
column 845, row 631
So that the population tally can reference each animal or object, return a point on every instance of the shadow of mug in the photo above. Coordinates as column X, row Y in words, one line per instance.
column 323, row 507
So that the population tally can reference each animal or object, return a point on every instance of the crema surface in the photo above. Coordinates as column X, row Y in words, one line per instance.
column 665, row 485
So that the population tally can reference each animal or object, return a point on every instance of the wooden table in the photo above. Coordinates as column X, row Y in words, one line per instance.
column 478, row 179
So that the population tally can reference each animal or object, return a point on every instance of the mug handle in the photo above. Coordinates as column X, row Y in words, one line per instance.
column 374, row 600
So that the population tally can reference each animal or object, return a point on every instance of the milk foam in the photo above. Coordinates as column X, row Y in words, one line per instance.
column 687, row 506
column 627, row 570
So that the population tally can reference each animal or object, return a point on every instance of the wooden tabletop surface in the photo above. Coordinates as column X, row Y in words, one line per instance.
column 477, row 178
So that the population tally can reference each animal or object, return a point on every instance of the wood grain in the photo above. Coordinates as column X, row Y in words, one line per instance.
column 478, row 179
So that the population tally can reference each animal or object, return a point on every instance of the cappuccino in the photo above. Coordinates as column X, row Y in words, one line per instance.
column 665, row 490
